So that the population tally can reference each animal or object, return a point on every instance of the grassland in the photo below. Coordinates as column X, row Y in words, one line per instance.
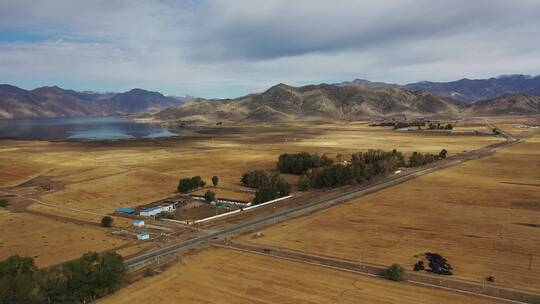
column 483, row 216
column 50, row 241
column 83, row 180
column 102, row 177
column 225, row 276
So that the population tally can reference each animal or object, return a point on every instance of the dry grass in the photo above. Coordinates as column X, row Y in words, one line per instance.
column 101, row 178
column 50, row 241
column 483, row 216
column 224, row 276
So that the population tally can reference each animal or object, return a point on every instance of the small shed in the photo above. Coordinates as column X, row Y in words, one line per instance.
column 125, row 210
column 143, row 235
column 138, row 223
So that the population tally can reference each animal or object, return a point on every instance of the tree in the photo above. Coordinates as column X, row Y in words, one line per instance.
column 209, row 196
column 304, row 183
column 184, row 185
column 443, row 154
column 106, row 221
column 4, row 202
column 394, row 272
column 17, row 280
column 215, row 180
column 188, row 184
column 255, row 178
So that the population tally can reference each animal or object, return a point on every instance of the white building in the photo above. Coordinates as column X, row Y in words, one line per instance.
column 138, row 223
column 143, row 236
column 157, row 209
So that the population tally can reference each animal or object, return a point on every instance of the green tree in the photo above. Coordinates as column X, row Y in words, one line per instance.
column 215, row 180
column 17, row 280
column 106, row 221
column 304, row 183
column 255, row 178
column 4, row 202
column 52, row 285
column 209, row 196
column 394, row 272
column 184, row 185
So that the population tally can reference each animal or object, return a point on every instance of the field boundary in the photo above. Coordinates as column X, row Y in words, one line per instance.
column 509, row 295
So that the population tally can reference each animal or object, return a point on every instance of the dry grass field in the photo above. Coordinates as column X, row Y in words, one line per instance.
column 50, row 241
column 102, row 177
column 87, row 179
column 483, row 216
column 225, row 276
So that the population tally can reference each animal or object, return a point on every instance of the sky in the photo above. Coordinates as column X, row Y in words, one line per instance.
column 225, row 48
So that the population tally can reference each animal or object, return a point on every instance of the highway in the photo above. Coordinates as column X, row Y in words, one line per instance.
column 324, row 203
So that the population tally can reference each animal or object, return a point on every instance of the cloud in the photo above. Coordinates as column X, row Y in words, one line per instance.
column 235, row 47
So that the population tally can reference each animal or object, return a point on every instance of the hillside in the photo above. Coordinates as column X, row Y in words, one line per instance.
column 56, row 102
column 465, row 90
column 287, row 103
column 471, row 90
column 508, row 104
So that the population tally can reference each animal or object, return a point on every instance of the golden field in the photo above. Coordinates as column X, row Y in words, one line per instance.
column 225, row 276
column 50, row 241
column 482, row 215
column 84, row 180
column 99, row 177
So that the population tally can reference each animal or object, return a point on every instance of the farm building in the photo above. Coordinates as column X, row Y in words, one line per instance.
column 125, row 210
column 143, row 235
column 138, row 223
column 152, row 211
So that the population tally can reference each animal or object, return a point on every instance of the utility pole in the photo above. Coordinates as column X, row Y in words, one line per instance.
column 530, row 261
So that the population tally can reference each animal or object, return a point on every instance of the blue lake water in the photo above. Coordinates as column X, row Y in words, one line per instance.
column 81, row 128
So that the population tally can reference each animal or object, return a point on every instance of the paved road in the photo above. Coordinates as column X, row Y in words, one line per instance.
column 324, row 203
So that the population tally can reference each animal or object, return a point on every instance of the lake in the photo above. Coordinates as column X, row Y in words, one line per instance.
column 80, row 128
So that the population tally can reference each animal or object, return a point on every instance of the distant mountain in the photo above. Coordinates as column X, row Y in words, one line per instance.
column 508, row 104
column 329, row 102
column 471, row 90
column 43, row 102
column 368, row 84
column 138, row 101
column 466, row 90
column 56, row 102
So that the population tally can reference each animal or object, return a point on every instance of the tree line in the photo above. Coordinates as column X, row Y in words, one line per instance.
column 269, row 186
column 301, row 162
column 92, row 276
column 363, row 166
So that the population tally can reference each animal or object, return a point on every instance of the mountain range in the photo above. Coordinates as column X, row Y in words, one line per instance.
column 466, row 90
column 512, row 94
column 282, row 103
column 57, row 102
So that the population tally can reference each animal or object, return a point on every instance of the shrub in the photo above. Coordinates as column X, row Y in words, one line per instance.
column 209, row 196
column 4, row 202
column 443, row 154
column 394, row 272
column 215, row 180
column 106, row 221
column 304, row 183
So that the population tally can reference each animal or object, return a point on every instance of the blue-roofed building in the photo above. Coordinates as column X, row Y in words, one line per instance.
column 143, row 235
column 138, row 223
column 126, row 210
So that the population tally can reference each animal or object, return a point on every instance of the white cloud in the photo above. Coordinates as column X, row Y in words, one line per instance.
column 203, row 47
